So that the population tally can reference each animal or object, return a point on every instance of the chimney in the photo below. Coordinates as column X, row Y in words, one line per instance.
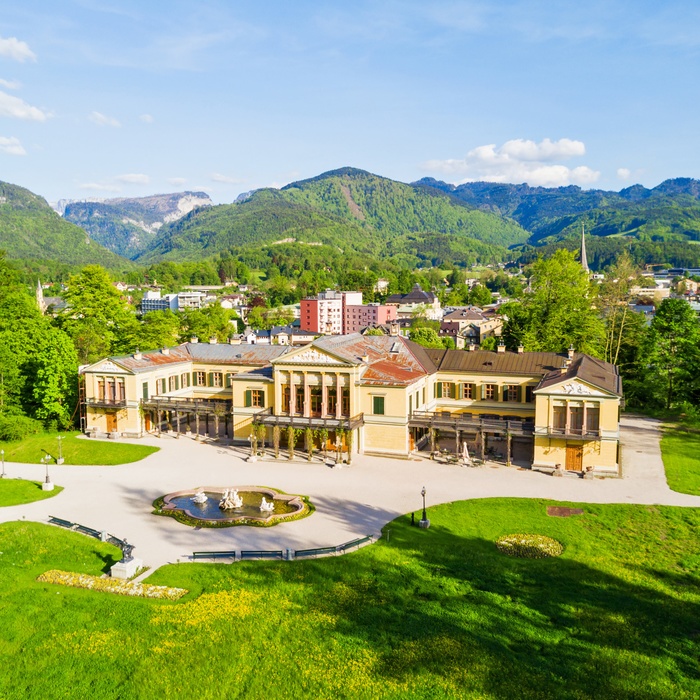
column 137, row 354
column 213, row 340
column 501, row 346
column 365, row 358
column 564, row 369
column 471, row 347
column 234, row 341
column 571, row 352
column 394, row 328
column 521, row 349
column 194, row 339
column 165, row 351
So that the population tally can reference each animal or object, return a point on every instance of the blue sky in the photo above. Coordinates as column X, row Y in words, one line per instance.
column 107, row 98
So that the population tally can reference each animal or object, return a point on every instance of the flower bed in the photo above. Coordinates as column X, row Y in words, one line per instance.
column 111, row 585
column 529, row 546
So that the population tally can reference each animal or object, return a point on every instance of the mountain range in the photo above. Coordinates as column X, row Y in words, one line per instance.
column 351, row 211
column 127, row 226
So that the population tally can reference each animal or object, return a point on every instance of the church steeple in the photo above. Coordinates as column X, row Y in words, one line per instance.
column 584, row 258
column 40, row 297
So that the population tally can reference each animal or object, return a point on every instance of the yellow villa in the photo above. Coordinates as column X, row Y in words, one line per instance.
column 381, row 395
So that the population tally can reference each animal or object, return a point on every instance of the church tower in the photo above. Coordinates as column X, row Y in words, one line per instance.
column 584, row 258
column 40, row 297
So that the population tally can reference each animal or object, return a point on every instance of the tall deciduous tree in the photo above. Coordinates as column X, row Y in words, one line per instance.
column 674, row 341
column 558, row 311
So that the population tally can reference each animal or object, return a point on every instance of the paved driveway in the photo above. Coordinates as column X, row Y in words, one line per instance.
column 351, row 502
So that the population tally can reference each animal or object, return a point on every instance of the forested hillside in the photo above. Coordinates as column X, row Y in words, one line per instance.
column 30, row 229
column 350, row 210
column 656, row 225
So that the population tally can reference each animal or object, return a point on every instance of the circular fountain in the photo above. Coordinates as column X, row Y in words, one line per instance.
column 215, row 506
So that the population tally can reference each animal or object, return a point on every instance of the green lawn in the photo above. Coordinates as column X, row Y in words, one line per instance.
column 428, row 614
column 681, row 454
column 75, row 450
column 13, row 492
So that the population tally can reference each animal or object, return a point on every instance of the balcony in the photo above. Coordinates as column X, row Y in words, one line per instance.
column 105, row 403
column 187, row 405
column 266, row 417
column 569, row 433
column 465, row 422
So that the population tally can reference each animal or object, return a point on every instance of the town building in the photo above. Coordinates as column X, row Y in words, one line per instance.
column 416, row 302
column 323, row 314
column 152, row 301
column 358, row 316
column 380, row 395
column 470, row 326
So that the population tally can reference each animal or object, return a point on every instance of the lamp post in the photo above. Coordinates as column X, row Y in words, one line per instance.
column 47, row 485
column 424, row 522
column 60, row 453
column 2, row 454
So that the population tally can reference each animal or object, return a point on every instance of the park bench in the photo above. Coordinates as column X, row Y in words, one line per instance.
column 89, row 531
column 214, row 555
column 300, row 553
column 353, row 543
column 59, row 521
column 262, row 554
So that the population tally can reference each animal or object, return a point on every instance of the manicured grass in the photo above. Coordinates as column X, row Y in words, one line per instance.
column 75, row 450
column 428, row 614
column 680, row 450
column 13, row 492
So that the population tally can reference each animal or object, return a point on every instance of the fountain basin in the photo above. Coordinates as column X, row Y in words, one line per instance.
column 179, row 504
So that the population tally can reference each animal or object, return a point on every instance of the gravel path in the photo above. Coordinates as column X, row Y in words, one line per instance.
column 351, row 502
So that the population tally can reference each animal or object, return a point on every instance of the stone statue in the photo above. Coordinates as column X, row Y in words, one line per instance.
column 199, row 497
column 230, row 500
column 127, row 549
column 266, row 506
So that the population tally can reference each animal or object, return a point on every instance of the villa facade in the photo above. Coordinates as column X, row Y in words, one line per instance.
column 381, row 395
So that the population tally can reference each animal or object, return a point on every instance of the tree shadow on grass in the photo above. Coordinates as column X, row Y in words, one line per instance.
column 456, row 608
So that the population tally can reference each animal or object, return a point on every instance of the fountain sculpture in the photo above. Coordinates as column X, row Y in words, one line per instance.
column 199, row 498
column 266, row 506
column 230, row 500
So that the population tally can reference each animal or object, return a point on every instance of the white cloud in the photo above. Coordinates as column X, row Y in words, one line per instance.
column 218, row 177
column 99, row 187
column 177, row 181
column 11, row 106
column 11, row 146
column 103, row 120
column 624, row 173
column 133, row 179
column 10, row 84
column 520, row 160
column 16, row 50
column 146, row 119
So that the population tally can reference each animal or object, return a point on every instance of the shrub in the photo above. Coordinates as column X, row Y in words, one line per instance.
column 529, row 546
column 18, row 427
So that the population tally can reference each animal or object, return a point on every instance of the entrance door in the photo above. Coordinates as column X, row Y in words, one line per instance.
column 111, row 422
column 574, row 458
column 147, row 422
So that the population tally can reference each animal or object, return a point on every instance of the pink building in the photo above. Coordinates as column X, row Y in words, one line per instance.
column 324, row 312
column 359, row 316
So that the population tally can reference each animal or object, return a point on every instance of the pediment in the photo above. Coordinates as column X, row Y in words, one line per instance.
column 573, row 387
column 106, row 367
column 310, row 356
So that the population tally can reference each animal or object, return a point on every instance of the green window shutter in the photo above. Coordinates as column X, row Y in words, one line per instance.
column 483, row 392
column 453, row 389
column 177, row 383
column 438, row 390
column 248, row 399
column 211, row 379
column 410, row 405
column 262, row 398
column 145, row 391
column 194, row 379
column 520, row 394
column 505, row 392
column 378, row 405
